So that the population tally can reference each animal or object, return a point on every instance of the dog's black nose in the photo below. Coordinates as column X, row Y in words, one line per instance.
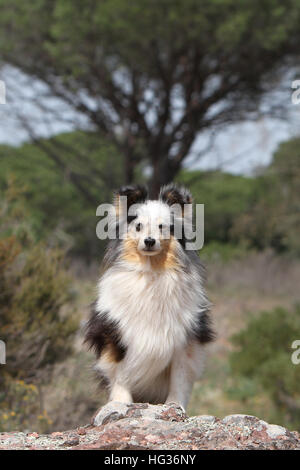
column 149, row 242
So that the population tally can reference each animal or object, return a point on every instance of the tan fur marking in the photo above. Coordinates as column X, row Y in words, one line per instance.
column 130, row 252
column 166, row 259
column 110, row 354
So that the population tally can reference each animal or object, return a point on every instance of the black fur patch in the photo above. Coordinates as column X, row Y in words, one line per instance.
column 130, row 218
column 101, row 332
column 204, row 332
column 174, row 194
column 135, row 194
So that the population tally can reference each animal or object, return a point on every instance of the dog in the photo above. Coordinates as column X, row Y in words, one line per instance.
column 151, row 321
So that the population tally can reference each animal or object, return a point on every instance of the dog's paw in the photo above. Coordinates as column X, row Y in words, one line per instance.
column 175, row 404
column 112, row 411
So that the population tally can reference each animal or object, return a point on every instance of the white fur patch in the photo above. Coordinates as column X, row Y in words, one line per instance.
column 155, row 311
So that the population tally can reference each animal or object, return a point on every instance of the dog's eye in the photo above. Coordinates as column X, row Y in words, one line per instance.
column 138, row 227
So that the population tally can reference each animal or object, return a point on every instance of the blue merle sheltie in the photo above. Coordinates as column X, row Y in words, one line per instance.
column 151, row 321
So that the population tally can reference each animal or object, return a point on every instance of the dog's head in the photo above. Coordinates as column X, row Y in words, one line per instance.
column 153, row 225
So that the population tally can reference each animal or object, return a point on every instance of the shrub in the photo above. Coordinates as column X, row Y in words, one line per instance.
column 262, row 362
column 36, row 318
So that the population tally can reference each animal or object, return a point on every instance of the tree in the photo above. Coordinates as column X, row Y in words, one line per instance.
column 151, row 75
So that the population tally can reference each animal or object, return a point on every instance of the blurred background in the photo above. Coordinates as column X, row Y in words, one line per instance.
column 102, row 93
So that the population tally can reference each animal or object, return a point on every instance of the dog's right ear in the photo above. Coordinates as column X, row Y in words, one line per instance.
column 135, row 194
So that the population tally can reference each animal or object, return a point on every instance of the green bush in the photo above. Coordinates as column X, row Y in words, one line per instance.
column 37, row 319
column 226, row 197
column 262, row 363
column 224, row 252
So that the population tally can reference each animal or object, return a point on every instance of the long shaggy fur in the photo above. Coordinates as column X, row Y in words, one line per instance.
column 151, row 320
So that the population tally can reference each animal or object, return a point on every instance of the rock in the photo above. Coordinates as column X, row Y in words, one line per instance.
column 115, row 411
column 140, row 426
column 81, row 431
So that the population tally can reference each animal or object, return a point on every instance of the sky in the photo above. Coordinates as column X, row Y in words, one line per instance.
column 239, row 148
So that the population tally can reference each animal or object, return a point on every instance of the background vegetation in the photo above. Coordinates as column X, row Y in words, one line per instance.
column 148, row 78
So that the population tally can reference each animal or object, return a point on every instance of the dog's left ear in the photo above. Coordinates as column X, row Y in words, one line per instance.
column 174, row 194
column 135, row 194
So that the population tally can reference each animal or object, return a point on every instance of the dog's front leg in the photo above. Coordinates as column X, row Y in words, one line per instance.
column 120, row 392
column 118, row 385
column 113, row 372
column 119, row 396
column 186, row 367
column 181, row 382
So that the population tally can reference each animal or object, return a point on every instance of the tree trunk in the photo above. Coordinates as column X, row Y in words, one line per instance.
column 164, row 172
column 129, row 168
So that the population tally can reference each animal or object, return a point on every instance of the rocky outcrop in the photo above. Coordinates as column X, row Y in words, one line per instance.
column 164, row 427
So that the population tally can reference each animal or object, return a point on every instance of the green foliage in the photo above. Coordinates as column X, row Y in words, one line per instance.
column 128, row 66
column 262, row 362
column 69, row 28
column 225, row 197
column 18, row 401
column 274, row 219
column 240, row 212
column 257, row 212
column 37, row 320
column 284, row 172
column 224, row 252
column 59, row 213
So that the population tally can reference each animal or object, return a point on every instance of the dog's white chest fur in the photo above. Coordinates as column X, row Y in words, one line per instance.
column 155, row 312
